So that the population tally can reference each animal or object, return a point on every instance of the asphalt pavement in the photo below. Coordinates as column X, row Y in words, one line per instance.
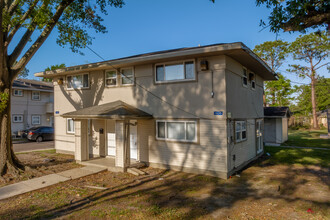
column 32, row 145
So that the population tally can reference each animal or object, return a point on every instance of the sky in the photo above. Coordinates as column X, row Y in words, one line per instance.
column 151, row 25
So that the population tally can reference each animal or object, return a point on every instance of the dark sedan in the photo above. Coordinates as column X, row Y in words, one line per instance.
column 40, row 134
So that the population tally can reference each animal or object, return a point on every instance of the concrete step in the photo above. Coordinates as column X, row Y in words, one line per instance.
column 135, row 171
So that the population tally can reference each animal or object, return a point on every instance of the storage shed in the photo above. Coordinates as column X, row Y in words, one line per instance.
column 276, row 124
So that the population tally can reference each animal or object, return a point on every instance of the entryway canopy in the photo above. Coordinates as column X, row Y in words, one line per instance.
column 113, row 110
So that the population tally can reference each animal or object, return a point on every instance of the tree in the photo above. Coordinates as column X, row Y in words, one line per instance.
column 293, row 15
column 36, row 19
column 274, row 53
column 53, row 67
column 304, row 105
column 312, row 49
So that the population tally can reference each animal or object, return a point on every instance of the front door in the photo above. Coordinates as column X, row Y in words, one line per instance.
column 133, row 140
column 259, row 136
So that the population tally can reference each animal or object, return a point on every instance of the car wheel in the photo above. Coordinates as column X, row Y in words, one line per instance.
column 39, row 139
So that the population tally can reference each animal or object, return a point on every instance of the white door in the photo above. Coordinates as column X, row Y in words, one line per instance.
column 259, row 136
column 111, row 137
column 133, row 141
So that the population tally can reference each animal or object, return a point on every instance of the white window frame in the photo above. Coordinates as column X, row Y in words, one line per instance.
column 245, row 76
column 122, row 76
column 253, row 81
column 32, row 96
column 240, row 131
column 173, row 63
column 17, row 94
column 67, row 126
column 82, row 74
column 176, row 121
column 18, row 121
column 38, row 116
column 105, row 77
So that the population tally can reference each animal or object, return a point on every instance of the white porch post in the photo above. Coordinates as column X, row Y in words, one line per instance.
column 122, row 144
column 81, row 147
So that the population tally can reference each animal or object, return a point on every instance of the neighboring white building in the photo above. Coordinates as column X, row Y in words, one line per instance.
column 32, row 104
column 276, row 124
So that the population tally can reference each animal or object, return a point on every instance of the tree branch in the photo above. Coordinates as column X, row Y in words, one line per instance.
column 18, row 25
column 322, row 66
column 19, row 66
column 321, row 58
column 13, row 7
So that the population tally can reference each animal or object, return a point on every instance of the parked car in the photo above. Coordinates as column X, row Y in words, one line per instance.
column 42, row 133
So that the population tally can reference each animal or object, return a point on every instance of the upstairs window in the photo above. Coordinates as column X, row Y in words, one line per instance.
column 175, row 72
column 252, row 80
column 244, row 78
column 111, row 78
column 240, row 131
column 18, row 92
column 78, row 81
column 35, row 95
column 177, row 130
column 127, row 76
column 17, row 118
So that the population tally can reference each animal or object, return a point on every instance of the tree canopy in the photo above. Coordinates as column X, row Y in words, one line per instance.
column 293, row 15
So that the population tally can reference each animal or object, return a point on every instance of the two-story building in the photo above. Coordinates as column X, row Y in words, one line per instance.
column 196, row 110
column 32, row 104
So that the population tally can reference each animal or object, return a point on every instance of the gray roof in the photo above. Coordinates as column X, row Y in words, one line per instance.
column 276, row 112
column 112, row 110
column 29, row 84
column 237, row 51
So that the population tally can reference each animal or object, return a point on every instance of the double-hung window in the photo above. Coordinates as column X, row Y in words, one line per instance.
column 127, row 76
column 78, row 81
column 111, row 78
column 18, row 92
column 244, row 78
column 17, row 118
column 177, row 130
column 253, row 80
column 70, row 126
column 240, row 131
column 36, row 120
column 175, row 71
column 36, row 95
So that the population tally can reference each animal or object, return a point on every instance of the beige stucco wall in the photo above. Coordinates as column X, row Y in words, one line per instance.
column 24, row 105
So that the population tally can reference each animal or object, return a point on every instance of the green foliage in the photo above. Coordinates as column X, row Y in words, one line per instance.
column 274, row 53
column 4, row 98
column 293, row 15
column 24, row 73
column 304, row 105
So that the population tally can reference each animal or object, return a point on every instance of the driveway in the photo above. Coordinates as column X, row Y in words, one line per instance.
column 30, row 146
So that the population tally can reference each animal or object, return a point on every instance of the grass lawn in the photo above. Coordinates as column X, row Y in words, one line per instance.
column 307, row 138
column 298, row 156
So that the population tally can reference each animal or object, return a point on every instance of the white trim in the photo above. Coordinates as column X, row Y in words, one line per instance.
column 185, row 133
column 17, row 91
column 121, row 76
column 67, row 131
column 105, row 78
column 17, row 115
column 182, row 62
column 33, row 95
column 81, row 74
column 240, row 131
column 39, row 116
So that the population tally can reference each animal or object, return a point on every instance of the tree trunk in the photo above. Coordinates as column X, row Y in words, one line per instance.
column 315, row 122
column 8, row 161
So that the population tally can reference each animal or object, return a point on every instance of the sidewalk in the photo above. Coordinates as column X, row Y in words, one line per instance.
column 315, row 148
column 45, row 181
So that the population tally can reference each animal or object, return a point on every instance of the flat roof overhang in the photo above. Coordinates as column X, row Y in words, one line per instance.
column 118, row 110
column 237, row 51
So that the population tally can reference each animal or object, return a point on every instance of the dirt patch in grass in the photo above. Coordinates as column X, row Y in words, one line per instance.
column 262, row 191
column 41, row 163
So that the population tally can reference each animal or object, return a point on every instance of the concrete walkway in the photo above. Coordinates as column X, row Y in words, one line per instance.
column 45, row 181
column 315, row 148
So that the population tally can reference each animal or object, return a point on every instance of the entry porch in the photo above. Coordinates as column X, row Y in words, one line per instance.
column 107, row 135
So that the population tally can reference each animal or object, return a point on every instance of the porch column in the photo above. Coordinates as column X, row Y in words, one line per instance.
column 81, row 147
column 122, row 144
